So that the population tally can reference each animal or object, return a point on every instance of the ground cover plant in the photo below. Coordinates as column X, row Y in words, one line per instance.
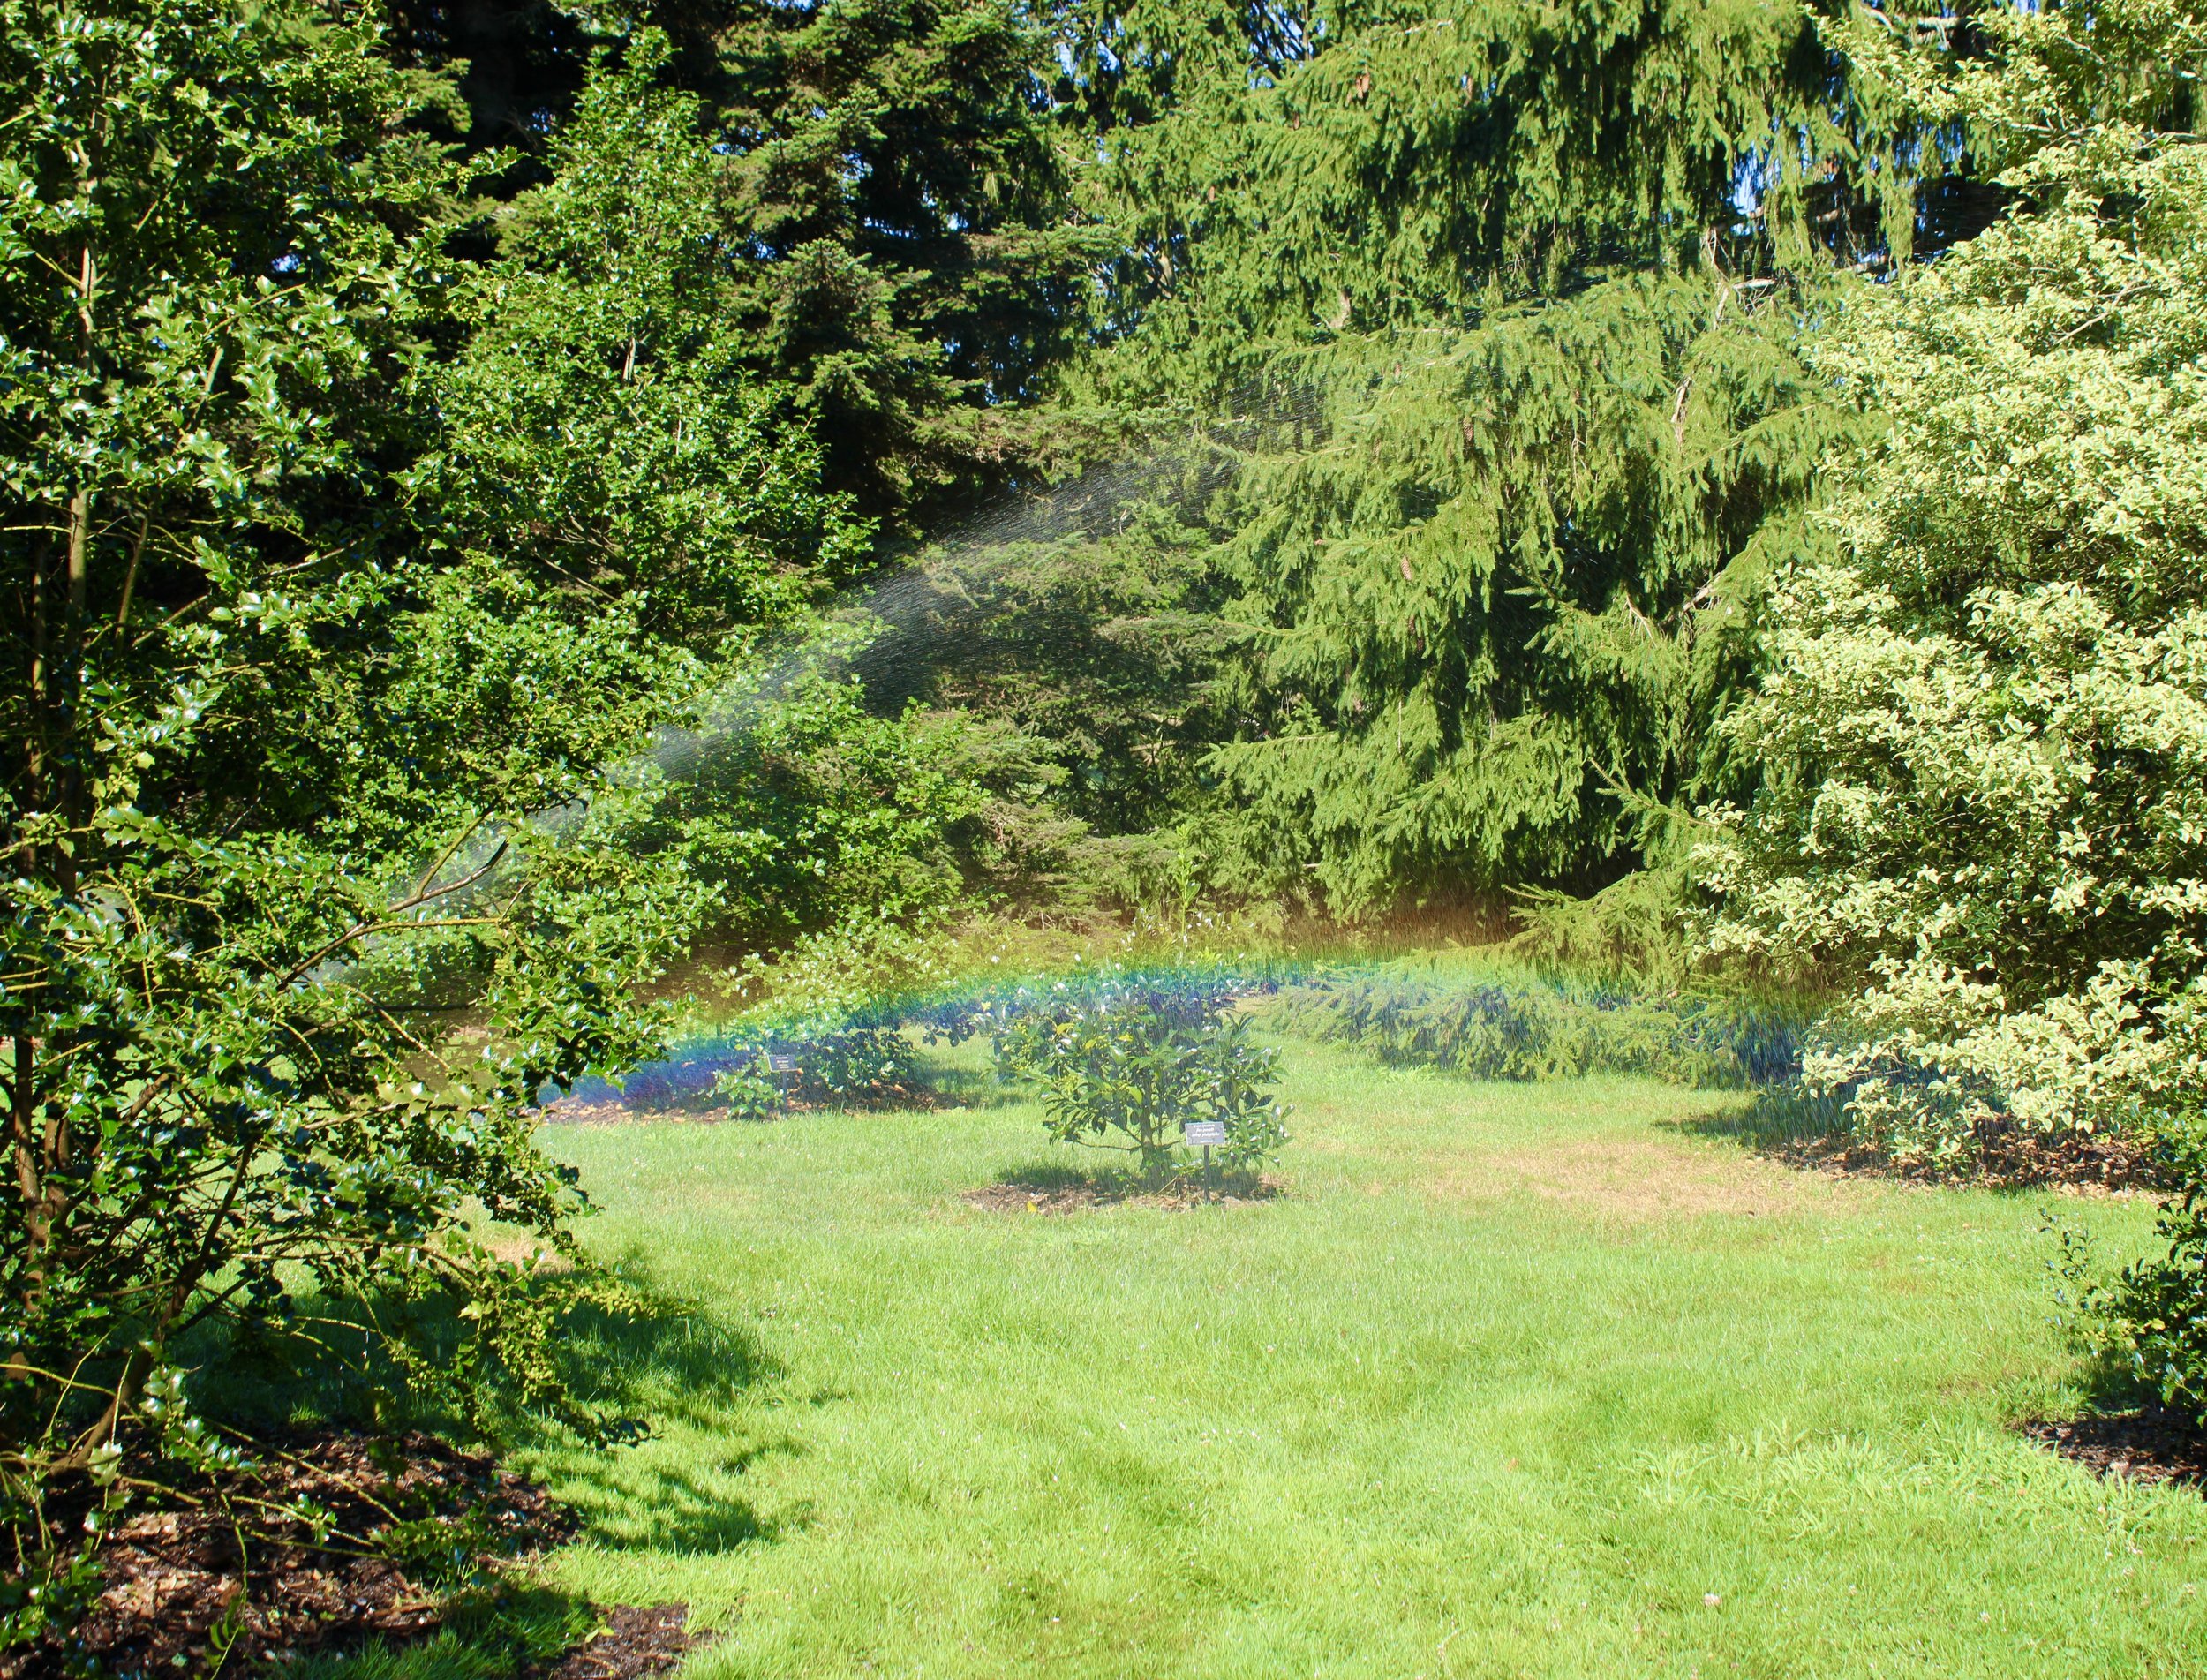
column 1515, row 1378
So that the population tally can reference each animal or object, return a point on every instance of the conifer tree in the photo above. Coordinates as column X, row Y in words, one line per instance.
column 912, row 265
column 918, row 263
column 1486, row 313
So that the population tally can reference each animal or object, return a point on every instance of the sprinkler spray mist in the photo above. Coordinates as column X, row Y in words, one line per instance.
column 893, row 631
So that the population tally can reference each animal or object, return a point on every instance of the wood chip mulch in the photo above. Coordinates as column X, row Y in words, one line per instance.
column 1012, row 1197
column 637, row 1640
column 236, row 1575
column 2088, row 1167
column 2150, row 1445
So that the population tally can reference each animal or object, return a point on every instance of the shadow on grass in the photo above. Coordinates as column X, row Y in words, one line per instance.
column 1811, row 1133
column 1776, row 1122
column 669, row 1367
column 629, row 1378
column 1060, row 1186
column 661, row 1361
column 957, row 1085
column 678, row 1507
column 1059, row 1175
column 665, row 1361
column 2124, row 1429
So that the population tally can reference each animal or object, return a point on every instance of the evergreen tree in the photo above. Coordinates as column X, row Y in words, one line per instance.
column 1503, row 589
column 906, row 257
column 919, row 266
column 1485, row 322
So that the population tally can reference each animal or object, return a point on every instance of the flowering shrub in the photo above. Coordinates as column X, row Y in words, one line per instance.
column 1984, row 731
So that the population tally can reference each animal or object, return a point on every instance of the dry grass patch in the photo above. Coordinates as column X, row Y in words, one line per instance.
column 1640, row 1179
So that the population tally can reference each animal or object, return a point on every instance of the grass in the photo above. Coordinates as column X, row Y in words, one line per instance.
column 1517, row 1381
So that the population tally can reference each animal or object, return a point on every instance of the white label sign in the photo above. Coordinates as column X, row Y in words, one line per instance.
column 1205, row 1135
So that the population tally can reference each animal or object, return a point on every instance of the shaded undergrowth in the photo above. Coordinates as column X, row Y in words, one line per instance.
column 449, row 1601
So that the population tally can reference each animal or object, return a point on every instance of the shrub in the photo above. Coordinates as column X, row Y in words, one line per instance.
column 309, row 895
column 2151, row 1317
column 1126, row 1064
column 821, row 1060
column 1983, row 729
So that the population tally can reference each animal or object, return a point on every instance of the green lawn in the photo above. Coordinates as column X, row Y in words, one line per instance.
column 1540, row 1381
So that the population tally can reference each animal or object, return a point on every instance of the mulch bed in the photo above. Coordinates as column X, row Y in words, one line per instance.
column 172, row 1601
column 1014, row 1197
column 2086, row 1167
column 637, row 1640
column 570, row 1111
column 2150, row 1445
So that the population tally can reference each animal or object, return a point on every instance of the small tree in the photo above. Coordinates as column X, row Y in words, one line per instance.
column 1127, row 1064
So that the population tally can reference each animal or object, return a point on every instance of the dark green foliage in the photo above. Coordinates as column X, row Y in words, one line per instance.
column 1517, row 1031
column 1089, row 622
column 2150, row 1318
column 1422, row 164
column 1490, row 315
column 888, row 173
column 919, row 262
column 304, row 727
column 1127, row 1064
column 756, row 1069
column 832, row 1060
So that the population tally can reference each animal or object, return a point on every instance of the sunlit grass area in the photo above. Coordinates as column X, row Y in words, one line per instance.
column 1546, row 1380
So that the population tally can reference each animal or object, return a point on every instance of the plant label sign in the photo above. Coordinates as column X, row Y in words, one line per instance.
column 1204, row 1134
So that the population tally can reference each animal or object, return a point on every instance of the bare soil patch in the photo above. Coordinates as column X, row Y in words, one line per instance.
column 1012, row 1197
column 1639, row 1180
column 329, row 1539
column 2153, row 1444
